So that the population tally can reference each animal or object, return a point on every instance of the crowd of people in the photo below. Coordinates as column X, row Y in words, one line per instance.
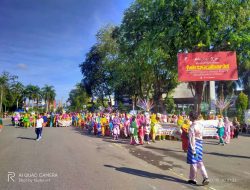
column 140, row 128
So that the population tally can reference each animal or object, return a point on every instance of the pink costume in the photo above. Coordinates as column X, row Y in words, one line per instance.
column 227, row 133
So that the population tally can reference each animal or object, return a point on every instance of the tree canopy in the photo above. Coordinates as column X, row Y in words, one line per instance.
column 139, row 57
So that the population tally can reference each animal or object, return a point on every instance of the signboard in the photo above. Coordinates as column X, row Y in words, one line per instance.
column 207, row 66
column 169, row 129
column 210, row 128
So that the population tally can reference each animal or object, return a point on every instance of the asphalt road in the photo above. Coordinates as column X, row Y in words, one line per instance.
column 66, row 158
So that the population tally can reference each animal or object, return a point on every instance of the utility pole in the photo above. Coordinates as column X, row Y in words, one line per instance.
column 212, row 95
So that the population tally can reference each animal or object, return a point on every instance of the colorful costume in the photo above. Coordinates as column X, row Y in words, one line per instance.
column 141, row 135
column 184, row 135
column 116, row 130
column 26, row 121
column 1, row 124
column 134, row 133
column 147, row 128
column 221, row 131
column 235, row 128
column 154, row 128
column 228, row 125
column 103, row 125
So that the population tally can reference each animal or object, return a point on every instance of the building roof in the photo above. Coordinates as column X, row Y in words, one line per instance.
column 182, row 91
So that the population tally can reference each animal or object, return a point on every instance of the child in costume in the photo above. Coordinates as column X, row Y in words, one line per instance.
column 227, row 134
column 111, row 127
column 103, row 125
column 147, row 128
column 141, row 135
column 16, row 120
column 126, row 126
column 153, row 126
column 116, row 130
column 26, row 121
column 184, row 135
column 235, row 128
column 221, row 131
column 133, row 132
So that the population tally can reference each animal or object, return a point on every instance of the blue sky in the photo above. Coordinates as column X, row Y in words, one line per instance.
column 44, row 41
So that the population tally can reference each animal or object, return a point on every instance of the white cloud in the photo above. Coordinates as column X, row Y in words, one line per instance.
column 22, row 66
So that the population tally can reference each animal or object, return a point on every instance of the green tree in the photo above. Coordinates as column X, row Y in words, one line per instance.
column 17, row 93
column 154, row 65
column 48, row 94
column 78, row 97
column 189, row 26
column 6, row 81
column 241, row 105
column 139, row 58
column 170, row 105
column 33, row 93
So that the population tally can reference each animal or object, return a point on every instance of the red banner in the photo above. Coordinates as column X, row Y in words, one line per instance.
column 206, row 66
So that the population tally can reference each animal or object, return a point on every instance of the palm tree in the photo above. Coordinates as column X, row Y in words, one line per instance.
column 6, row 80
column 33, row 93
column 49, row 95
column 17, row 92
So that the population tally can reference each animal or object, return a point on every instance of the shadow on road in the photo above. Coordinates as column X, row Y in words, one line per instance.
column 211, row 142
column 110, row 140
column 169, row 152
column 227, row 155
column 164, row 149
column 26, row 138
column 146, row 174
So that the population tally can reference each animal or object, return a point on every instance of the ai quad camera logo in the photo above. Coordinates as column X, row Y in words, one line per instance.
column 11, row 176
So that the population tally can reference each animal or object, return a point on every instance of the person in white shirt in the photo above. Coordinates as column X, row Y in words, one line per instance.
column 195, row 150
column 39, row 127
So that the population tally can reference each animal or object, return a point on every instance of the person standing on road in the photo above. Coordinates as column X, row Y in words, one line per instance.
column 39, row 127
column 195, row 150
column 45, row 120
column 134, row 132
column 235, row 128
column 1, row 124
column 184, row 135
column 228, row 125
column 221, row 131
